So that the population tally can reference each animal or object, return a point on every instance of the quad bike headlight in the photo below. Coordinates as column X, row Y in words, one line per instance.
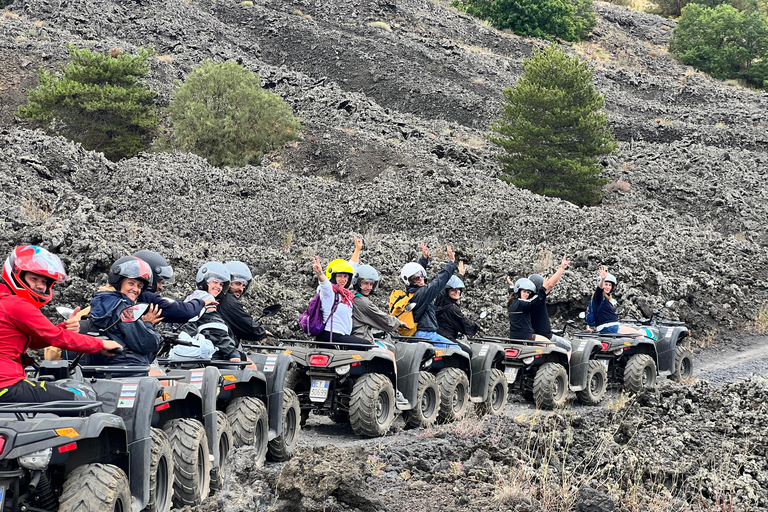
column 343, row 370
column 426, row 364
column 528, row 360
column 36, row 460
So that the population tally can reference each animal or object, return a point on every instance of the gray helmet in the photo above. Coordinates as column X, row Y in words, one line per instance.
column 213, row 270
column 239, row 271
column 610, row 278
column 454, row 282
column 537, row 280
column 365, row 272
column 160, row 268
column 525, row 284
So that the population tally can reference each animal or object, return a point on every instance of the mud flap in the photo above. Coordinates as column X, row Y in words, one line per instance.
column 409, row 357
column 484, row 356
column 666, row 348
column 578, row 369
column 273, row 367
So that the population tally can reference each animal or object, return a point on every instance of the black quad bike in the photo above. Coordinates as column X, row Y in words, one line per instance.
column 62, row 456
column 460, row 379
column 542, row 372
column 346, row 382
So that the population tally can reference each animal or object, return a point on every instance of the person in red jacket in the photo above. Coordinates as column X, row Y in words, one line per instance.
column 29, row 275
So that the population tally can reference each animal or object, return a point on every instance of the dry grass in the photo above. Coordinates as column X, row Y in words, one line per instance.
column 720, row 125
column 468, row 427
column 761, row 322
column 38, row 23
column 618, row 402
column 298, row 12
column 665, row 122
column 380, row 25
column 618, row 186
column 165, row 58
column 36, row 209
column 706, row 340
column 10, row 15
column 628, row 166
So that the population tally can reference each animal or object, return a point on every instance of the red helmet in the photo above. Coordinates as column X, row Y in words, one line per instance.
column 34, row 259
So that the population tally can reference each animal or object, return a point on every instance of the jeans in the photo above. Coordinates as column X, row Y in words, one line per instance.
column 443, row 342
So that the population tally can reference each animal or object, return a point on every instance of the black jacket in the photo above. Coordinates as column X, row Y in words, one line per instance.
column 213, row 327
column 450, row 320
column 540, row 316
column 519, row 311
column 424, row 296
column 242, row 325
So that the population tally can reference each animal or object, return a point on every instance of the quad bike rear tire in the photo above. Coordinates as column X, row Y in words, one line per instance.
column 225, row 443
column 683, row 365
column 96, row 488
column 639, row 373
column 160, row 473
column 250, row 424
column 550, row 386
column 427, row 407
column 372, row 405
column 191, row 461
column 597, row 383
column 498, row 390
column 284, row 446
column 295, row 380
column 454, row 394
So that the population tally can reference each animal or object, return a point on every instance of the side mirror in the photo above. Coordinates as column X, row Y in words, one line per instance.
column 409, row 307
column 483, row 314
column 582, row 315
column 271, row 310
column 64, row 311
column 669, row 304
column 133, row 313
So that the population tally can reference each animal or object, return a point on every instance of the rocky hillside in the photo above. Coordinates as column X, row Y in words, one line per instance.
column 395, row 96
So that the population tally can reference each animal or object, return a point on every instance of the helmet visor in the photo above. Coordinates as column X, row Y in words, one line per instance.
column 218, row 277
column 166, row 274
column 136, row 269
column 236, row 278
column 39, row 261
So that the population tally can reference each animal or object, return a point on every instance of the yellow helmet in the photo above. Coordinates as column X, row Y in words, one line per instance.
column 339, row 267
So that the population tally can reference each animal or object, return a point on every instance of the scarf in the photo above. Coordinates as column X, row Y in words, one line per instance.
column 346, row 296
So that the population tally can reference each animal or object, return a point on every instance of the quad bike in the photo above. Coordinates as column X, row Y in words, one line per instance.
column 461, row 379
column 62, row 456
column 541, row 371
column 347, row 382
column 170, row 455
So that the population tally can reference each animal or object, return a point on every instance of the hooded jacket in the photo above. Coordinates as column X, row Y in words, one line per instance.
column 450, row 319
column 519, row 311
column 139, row 339
column 23, row 326
column 240, row 323
column 366, row 317
column 424, row 296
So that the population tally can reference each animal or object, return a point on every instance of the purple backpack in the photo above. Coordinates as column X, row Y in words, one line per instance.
column 311, row 320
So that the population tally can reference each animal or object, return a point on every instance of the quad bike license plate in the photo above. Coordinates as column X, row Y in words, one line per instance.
column 511, row 374
column 319, row 390
column 2, row 495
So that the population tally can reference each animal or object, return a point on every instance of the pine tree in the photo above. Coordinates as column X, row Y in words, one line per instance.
column 98, row 102
column 553, row 129
column 221, row 113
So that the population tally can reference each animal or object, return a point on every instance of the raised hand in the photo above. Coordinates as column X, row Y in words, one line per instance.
column 317, row 267
column 564, row 264
column 450, row 253
column 603, row 272
column 424, row 250
column 358, row 243
column 509, row 280
column 462, row 268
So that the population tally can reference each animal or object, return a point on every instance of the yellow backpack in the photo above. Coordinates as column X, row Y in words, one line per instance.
column 399, row 308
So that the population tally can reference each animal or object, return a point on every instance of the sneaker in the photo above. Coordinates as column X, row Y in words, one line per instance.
column 400, row 399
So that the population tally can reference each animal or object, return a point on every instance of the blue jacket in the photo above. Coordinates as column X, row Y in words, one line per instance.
column 139, row 339
column 173, row 312
column 424, row 296
column 603, row 309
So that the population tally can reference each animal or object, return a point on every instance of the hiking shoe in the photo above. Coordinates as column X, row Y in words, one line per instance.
column 400, row 399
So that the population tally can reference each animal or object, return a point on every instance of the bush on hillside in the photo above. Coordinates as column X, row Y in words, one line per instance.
column 98, row 102
column 570, row 20
column 553, row 129
column 722, row 41
column 222, row 114
column 674, row 8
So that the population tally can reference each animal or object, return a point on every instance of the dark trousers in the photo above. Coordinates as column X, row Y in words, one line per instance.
column 33, row 391
column 342, row 339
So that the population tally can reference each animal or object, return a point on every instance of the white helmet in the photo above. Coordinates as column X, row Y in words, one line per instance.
column 525, row 284
column 410, row 270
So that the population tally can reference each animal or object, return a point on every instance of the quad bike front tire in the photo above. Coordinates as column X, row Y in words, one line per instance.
column 225, row 443
column 424, row 414
column 250, row 424
column 160, row 473
column 372, row 405
column 683, row 365
column 550, row 386
column 191, row 461
column 284, row 446
column 498, row 390
column 639, row 373
column 96, row 488
column 597, row 383
column 454, row 394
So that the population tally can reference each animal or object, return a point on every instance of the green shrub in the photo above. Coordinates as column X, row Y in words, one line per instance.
column 674, row 8
column 722, row 41
column 98, row 102
column 553, row 129
column 570, row 20
column 221, row 113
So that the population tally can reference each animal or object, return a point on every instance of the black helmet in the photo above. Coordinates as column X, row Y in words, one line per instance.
column 160, row 268
column 537, row 280
column 129, row 267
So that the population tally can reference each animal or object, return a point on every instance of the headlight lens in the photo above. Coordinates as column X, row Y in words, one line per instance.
column 343, row 370
column 426, row 364
column 36, row 460
column 528, row 360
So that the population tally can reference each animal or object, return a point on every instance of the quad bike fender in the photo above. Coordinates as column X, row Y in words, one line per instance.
column 583, row 351
column 179, row 400
column 666, row 346
column 485, row 357
column 271, row 376
column 410, row 357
